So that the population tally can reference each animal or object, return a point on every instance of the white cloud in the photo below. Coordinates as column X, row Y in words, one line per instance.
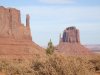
column 57, row 1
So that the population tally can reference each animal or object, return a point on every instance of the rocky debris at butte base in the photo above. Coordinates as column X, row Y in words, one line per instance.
column 69, row 43
column 15, row 37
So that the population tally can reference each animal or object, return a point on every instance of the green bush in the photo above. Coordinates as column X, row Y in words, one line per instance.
column 50, row 48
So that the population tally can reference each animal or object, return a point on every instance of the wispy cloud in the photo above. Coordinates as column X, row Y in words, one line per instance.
column 57, row 1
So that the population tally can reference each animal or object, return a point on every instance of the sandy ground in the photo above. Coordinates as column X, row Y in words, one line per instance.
column 2, row 73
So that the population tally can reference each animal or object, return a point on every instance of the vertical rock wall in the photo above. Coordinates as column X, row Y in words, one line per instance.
column 11, row 26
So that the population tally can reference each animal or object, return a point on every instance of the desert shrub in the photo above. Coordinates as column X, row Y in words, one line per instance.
column 61, row 65
column 96, row 62
column 3, row 65
column 55, row 64
column 71, row 65
column 15, row 67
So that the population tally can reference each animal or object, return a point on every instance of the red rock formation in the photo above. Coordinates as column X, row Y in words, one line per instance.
column 70, row 35
column 70, row 43
column 15, row 38
column 11, row 26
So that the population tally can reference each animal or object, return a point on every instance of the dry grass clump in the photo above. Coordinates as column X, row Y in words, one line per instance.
column 96, row 62
column 53, row 65
column 15, row 67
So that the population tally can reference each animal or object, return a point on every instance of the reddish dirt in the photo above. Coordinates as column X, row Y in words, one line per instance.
column 2, row 73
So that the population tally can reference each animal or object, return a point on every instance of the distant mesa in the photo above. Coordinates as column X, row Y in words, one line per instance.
column 70, row 35
column 15, row 37
column 69, row 43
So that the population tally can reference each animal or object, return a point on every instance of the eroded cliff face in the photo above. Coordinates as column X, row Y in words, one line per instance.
column 11, row 26
column 15, row 37
column 69, row 43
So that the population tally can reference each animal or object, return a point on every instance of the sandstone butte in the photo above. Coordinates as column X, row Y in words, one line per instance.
column 69, row 43
column 15, row 37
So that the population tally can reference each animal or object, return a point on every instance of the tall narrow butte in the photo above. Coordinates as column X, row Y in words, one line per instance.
column 69, row 43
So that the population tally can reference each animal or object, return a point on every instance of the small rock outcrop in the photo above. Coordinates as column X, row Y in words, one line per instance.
column 69, row 43
column 15, row 37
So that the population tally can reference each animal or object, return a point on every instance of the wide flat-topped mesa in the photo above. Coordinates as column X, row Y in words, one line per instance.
column 70, row 35
column 69, row 43
column 15, row 37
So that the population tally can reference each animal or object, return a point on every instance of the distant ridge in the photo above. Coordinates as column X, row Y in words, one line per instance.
column 93, row 47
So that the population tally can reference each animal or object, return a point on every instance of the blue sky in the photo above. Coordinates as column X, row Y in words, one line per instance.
column 50, row 17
